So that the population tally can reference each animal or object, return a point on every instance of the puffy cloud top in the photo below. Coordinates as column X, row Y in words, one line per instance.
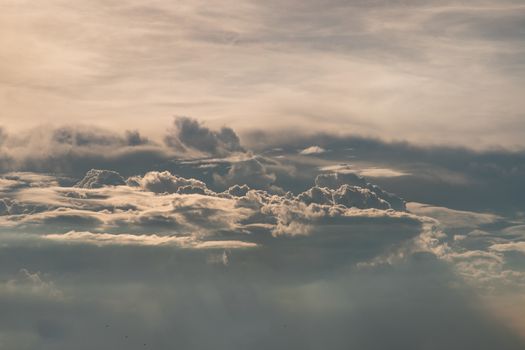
column 354, row 190
column 165, row 182
column 98, row 178
column 189, row 134
column 349, row 196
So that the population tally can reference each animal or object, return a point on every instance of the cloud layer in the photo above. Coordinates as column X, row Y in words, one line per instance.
column 227, row 247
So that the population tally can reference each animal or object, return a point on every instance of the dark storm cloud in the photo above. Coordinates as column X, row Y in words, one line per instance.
column 448, row 176
column 190, row 135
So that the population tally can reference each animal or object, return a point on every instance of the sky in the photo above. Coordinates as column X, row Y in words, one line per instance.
column 431, row 72
column 254, row 175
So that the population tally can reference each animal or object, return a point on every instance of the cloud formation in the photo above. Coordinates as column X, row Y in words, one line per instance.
column 190, row 135
column 264, row 235
column 215, row 230
column 98, row 178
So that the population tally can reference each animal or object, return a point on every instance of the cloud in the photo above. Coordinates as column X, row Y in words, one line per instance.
column 380, row 172
column 28, row 284
column 349, row 196
column 190, row 135
column 335, row 180
column 354, row 41
column 238, row 191
column 226, row 211
column 454, row 219
column 366, row 172
column 354, row 189
column 74, row 150
column 153, row 250
column 451, row 177
column 329, row 271
column 509, row 247
column 166, row 202
column 312, row 150
column 101, row 239
column 165, row 182
column 480, row 257
column 454, row 177
column 134, row 294
column 98, row 178
column 251, row 172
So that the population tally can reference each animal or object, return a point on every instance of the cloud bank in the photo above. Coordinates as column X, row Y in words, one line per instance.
column 195, row 236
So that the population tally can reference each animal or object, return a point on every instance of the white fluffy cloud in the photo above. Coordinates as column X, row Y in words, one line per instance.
column 103, row 201
column 165, row 182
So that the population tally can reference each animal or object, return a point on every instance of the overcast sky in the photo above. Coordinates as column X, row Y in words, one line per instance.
column 426, row 71
column 296, row 174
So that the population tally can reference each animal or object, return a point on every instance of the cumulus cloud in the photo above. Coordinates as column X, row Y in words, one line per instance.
column 159, row 261
column 349, row 196
column 98, row 178
column 190, row 135
column 447, row 176
column 152, row 238
column 170, row 202
column 165, row 182
column 482, row 258
column 354, row 190
column 232, row 212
